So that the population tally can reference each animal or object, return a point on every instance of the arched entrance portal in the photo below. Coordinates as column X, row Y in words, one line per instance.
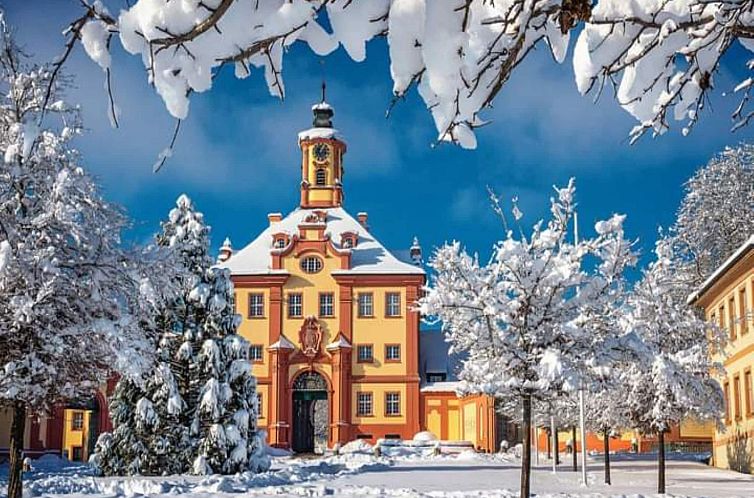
column 310, row 413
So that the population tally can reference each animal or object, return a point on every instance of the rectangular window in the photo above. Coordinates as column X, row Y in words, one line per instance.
column 392, row 404
column 737, row 397
column 726, row 399
column 721, row 316
column 393, row 352
column 366, row 305
column 742, row 311
column 364, row 353
column 732, row 318
column 748, row 393
column 77, row 423
column 327, row 304
column 256, row 353
column 295, row 305
column 260, row 406
column 436, row 377
column 393, row 304
column 364, row 404
column 256, row 305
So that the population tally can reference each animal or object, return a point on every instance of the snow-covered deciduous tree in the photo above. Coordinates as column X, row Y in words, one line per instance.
column 660, row 57
column 522, row 319
column 675, row 379
column 69, row 293
column 715, row 217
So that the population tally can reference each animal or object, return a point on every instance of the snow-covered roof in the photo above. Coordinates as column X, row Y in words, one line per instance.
column 732, row 260
column 282, row 343
column 368, row 257
column 319, row 133
column 340, row 342
column 441, row 387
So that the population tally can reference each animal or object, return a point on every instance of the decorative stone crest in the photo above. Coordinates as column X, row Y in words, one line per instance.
column 310, row 337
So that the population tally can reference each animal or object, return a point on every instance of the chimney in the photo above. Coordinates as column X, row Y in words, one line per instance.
column 416, row 252
column 226, row 251
column 274, row 218
column 362, row 217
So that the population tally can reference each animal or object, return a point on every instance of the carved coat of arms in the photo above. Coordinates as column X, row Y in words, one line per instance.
column 310, row 337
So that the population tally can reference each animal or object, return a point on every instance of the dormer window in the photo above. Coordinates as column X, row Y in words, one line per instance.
column 348, row 240
column 321, row 177
column 279, row 240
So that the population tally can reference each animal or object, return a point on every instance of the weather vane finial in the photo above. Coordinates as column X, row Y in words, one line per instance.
column 324, row 85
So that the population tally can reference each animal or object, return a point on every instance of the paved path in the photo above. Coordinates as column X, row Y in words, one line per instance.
column 684, row 478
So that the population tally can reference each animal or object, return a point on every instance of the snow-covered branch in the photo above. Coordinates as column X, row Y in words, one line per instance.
column 660, row 57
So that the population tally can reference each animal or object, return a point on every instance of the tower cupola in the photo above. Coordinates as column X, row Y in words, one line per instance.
column 322, row 153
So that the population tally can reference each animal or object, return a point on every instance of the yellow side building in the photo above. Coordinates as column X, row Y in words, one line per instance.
column 727, row 298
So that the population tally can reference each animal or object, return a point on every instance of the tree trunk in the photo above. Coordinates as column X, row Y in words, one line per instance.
column 556, row 446
column 607, row 456
column 15, row 470
column 549, row 443
column 573, row 449
column 526, row 454
column 661, row 462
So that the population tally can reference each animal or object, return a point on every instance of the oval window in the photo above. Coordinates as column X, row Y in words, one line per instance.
column 311, row 264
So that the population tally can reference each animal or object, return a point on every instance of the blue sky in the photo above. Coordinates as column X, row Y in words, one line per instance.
column 238, row 159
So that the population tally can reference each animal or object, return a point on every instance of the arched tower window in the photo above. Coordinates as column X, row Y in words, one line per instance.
column 321, row 176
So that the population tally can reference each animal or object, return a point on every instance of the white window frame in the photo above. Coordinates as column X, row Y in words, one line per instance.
column 393, row 308
column 256, row 305
column 295, row 309
column 364, row 404
column 327, row 303
column 311, row 264
column 364, row 347
column 366, row 304
column 392, row 406
column 253, row 350
column 394, row 347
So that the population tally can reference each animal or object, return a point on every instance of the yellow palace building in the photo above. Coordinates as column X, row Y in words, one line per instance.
column 335, row 341
column 727, row 298
column 335, row 338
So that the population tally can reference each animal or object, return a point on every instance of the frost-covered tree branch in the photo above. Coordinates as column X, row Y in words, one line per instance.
column 660, row 57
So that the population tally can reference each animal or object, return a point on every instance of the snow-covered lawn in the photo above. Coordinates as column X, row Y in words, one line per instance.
column 362, row 474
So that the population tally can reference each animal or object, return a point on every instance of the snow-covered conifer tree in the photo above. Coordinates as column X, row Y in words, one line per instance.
column 521, row 318
column 675, row 379
column 197, row 408
column 67, row 289
column 225, row 419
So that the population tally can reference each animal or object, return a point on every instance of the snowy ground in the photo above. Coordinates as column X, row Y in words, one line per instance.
column 361, row 474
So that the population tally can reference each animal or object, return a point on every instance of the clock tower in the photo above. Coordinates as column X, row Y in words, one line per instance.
column 321, row 160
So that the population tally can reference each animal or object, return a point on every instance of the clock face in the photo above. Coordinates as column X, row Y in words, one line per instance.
column 321, row 152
